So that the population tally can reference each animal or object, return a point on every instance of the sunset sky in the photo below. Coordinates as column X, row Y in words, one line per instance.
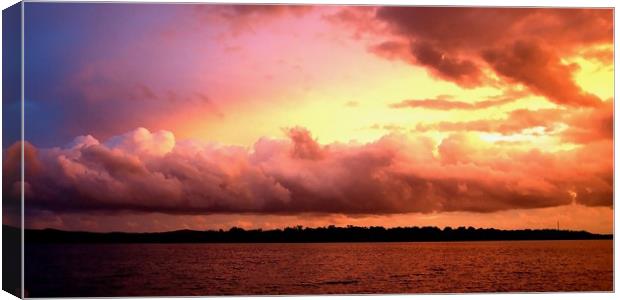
column 145, row 117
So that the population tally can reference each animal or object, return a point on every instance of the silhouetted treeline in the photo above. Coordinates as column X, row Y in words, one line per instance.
column 300, row 234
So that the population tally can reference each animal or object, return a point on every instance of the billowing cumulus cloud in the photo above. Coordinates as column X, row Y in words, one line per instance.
column 304, row 146
column 142, row 171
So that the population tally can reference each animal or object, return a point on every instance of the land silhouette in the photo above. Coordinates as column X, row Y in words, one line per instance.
column 299, row 234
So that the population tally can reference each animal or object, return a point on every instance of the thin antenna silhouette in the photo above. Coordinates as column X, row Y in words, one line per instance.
column 558, row 225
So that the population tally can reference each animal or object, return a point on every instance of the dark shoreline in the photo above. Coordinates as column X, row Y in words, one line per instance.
column 329, row 234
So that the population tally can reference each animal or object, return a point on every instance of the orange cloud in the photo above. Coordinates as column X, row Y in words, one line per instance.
column 583, row 125
column 529, row 63
column 462, row 71
column 590, row 125
column 443, row 102
column 515, row 122
column 523, row 46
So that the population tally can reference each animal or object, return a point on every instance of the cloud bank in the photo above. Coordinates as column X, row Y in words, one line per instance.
column 143, row 171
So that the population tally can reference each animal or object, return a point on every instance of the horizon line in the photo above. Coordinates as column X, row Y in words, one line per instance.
column 300, row 227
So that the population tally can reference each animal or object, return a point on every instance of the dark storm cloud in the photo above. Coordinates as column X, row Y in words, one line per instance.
column 522, row 45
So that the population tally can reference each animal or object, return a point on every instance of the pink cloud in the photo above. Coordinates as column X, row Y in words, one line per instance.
column 392, row 175
column 305, row 147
